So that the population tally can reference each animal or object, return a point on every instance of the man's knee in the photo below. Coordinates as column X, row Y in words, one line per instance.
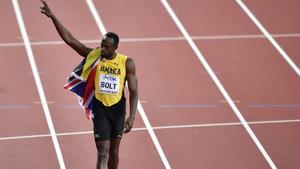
column 114, row 153
column 114, row 148
column 103, row 154
column 102, row 149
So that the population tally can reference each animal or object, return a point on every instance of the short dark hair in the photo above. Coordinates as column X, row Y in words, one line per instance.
column 114, row 36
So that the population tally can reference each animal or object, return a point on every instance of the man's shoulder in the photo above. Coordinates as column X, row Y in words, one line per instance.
column 94, row 51
column 130, row 63
column 122, row 55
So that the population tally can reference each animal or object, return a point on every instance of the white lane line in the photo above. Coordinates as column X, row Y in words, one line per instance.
column 160, row 128
column 11, row 44
column 176, row 106
column 275, row 121
column 8, row 107
column 139, row 107
column 75, row 133
column 157, row 39
column 24, row 137
column 153, row 136
column 217, row 82
column 96, row 16
column 270, row 38
column 290, row 106
column 38, row 82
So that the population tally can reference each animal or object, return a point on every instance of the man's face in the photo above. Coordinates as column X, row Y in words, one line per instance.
column 108, row 47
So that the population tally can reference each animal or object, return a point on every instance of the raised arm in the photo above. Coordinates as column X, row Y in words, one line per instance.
column 133, row 93
column 64, row 33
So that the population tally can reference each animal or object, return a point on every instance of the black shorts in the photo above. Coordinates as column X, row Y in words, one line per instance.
column 109, row 121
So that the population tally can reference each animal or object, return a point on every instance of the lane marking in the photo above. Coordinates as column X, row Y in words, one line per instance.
column 143, row 101
column 248, row 36
column 39, row 102
column 38, row 82
column 15, row 107
column 186, row 106
column 274, row 105
column 25, row 137
column 153, row 136
column 157, row 39
column 163, row 106
column 269, row 37
column 139, row 106
column 159, row 128
column 96, row 17
column 225, row 101
column 217, row 82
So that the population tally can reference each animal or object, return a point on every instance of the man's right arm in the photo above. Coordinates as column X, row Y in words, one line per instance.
column 64, row 33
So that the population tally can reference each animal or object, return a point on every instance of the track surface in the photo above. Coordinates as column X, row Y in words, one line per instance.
column 193, row 122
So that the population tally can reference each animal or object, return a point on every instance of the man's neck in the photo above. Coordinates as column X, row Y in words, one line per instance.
column 111, row 57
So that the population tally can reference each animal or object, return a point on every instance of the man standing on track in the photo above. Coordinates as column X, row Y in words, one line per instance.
column 112, row 70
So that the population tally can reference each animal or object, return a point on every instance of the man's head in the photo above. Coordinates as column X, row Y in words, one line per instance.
column 109, row 44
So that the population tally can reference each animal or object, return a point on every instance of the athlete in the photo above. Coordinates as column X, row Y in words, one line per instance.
column 112, row 71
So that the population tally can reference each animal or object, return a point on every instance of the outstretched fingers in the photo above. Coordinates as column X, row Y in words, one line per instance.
column 45, row 9
column 44, row 3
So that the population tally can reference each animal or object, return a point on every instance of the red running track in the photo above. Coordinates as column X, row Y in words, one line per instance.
column 193, row 123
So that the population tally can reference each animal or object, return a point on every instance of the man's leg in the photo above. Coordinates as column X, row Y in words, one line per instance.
column 102, row 154
column 113, row 160
column 117, row 119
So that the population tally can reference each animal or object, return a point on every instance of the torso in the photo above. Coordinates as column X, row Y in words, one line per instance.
column 110, row 79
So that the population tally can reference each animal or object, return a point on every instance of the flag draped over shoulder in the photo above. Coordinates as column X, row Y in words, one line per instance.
column 81, row 81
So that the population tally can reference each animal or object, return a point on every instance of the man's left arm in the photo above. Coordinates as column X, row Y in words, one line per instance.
column 133, row 93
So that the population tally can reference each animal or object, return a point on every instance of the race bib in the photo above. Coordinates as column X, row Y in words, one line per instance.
column 109, row 84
